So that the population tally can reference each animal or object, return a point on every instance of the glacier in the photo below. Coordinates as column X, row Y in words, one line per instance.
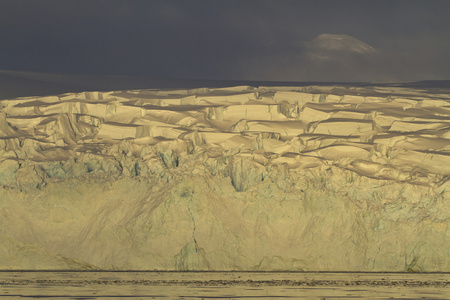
column 315, row 178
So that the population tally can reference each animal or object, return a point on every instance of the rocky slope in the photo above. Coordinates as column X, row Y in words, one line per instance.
column 289, row 178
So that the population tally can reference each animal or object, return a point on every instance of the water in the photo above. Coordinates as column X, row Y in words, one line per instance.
column 222, row 285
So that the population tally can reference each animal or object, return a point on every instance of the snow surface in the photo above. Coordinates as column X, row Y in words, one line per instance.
column 316, row 178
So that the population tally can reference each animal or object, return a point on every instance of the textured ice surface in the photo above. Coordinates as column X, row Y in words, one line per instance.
column 289, row 178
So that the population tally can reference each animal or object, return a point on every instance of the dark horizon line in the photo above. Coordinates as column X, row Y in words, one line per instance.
column 20, row 72
column 30, row 83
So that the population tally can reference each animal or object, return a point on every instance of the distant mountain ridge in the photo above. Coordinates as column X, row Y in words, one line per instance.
column 340, row 42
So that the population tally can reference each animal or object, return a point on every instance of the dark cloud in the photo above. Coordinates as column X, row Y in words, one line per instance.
column 233, row 39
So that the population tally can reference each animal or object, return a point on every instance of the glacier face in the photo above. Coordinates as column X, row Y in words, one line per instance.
column 312, row 179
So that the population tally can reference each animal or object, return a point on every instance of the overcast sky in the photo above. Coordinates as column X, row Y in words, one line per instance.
column 228, row 39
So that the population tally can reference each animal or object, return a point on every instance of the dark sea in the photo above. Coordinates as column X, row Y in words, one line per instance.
column 221, row 285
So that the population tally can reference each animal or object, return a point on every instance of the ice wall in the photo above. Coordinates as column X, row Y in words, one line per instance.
column 313, row 179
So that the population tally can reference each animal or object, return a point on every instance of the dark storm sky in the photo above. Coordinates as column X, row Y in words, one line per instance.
column 227, row 39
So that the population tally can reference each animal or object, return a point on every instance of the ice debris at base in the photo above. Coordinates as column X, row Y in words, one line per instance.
column 326, row 178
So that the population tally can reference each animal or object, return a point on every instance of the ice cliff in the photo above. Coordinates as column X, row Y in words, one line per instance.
column 327, row 178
